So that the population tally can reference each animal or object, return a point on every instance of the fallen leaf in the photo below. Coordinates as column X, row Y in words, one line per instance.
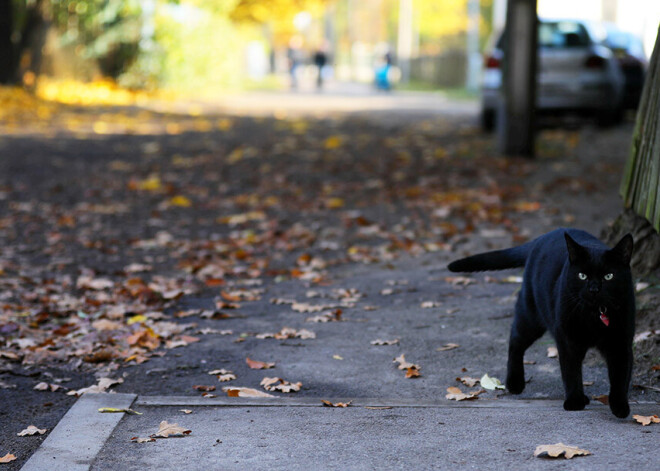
column 646, row 419
column 459, row 280
column 559, row 450
column 337, row 357
column 47, row 387
column 413, row 372
column 221, row 371
column 447, row 346
column 403, row 364
column 455, row 394
column 430, row 304
column 490, row 383
column 553, row 352
column 259, row 365
column 106, row 410
column 244, row 392
column 384, row 342
column 7, row 458
column 226, row 377
column 278, row 384
column 142, row 439
column 335, row 404
column 203, row 388
column 101, row 386
column 32, row 430
column 166, row 430
column 468, row 381
column 603, row 399
column 185, row 411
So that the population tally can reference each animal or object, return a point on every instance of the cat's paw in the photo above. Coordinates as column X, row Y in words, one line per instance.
column 620, row 408
column 515, row 383
column 577, row 402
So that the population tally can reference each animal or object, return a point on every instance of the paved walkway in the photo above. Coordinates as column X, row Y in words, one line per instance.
column 382, row 433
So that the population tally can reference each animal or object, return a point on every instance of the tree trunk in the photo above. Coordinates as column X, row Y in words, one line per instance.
column 7, row 67
column 516, row 114
column 639, row 187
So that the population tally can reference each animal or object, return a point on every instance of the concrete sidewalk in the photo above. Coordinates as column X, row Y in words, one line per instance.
column 381, row 433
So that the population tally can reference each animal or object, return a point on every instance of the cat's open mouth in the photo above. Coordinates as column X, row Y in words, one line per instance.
column 602, row 311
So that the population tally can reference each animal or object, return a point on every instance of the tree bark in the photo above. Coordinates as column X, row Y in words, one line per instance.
column 7, row 58
column 641, row 178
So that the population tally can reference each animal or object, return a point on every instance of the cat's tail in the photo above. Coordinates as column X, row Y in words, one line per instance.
column 497, row 260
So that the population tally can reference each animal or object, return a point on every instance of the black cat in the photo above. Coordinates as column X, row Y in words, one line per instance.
column 582, row 292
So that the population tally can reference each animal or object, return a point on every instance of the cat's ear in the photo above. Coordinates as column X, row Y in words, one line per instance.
column 624, row 249
column 575, row 251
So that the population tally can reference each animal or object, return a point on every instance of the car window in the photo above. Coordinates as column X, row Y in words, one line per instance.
column 563, row 34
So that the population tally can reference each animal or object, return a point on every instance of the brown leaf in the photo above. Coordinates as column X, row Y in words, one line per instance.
column 646, row 419
column 234, row 391
column 468, row 381
column 278, row 384
column 413, row 372
column 455, row 394
column 603, row 398
column 559, row 450
column 335, row 404
column 259, row 365
column 142, row 439
column 202, row 387
column 7, row 458
column 166, row 430
column 405, row 365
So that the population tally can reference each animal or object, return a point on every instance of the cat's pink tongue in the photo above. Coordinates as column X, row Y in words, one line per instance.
column 603, row 318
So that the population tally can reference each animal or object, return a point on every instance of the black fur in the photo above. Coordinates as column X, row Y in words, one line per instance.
column 580, row 313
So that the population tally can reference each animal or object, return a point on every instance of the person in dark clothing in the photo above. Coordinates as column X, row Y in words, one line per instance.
column 320, row 59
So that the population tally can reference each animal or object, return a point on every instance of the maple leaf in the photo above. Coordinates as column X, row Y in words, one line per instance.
column 646, row 419
column 278, row 384
column 7, row 458
column 32, row 430
column 258, row 365
column 335, row 404
column 166, row 430
column 234, row 391
column 559, row 450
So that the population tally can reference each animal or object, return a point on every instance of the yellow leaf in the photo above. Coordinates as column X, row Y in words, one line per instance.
column 152, row 183
column 106, row 410
column 181, row 201
column 334, row 203
column 646, row 419
column 337, row 357
column 333, row 142
column 135, row 319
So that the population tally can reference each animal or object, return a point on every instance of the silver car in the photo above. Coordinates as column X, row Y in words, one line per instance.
column 576, row 72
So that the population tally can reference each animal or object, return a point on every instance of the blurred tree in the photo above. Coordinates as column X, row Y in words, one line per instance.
column 106, row 31
column 640, row 187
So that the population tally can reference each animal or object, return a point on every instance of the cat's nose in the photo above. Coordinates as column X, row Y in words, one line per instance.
column 594, row 287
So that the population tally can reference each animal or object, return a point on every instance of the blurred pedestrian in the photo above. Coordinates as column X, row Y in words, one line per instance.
column 382, row 72
column 293, row 54
column 320, row 59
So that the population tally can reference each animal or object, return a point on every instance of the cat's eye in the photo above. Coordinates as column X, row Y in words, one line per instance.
column 582, row 276
column 608, row 277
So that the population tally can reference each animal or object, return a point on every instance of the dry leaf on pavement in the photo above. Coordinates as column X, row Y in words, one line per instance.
column 335, row 404
column 603, row 399
column 490, row 383
column 278, row 384
column 559, row 450
column 107, row 410
column 259, row 365
column 142, row 439
column 553, row 352
column 384, row 342
column 32, row 430
column 7, row 458
column 646, row 419
column 447, row 346
column 413, row 372
column 166, row 430
column 468, row 381
column 203, row 387
column 237, row 391
column 403, row 364
column 455, row 394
